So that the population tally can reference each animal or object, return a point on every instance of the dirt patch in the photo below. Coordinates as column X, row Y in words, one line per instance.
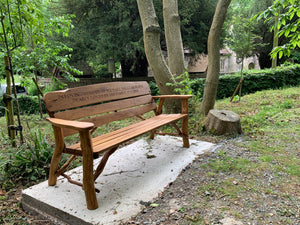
column 204, row 194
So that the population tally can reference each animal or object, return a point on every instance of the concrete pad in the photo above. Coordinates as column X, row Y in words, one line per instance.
column 137, row 172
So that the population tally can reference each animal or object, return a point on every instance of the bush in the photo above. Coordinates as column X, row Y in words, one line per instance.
column 27, row 104
column 253, row 81
column 29, row 162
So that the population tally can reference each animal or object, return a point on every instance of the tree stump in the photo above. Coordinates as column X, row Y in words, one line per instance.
column 221, row 122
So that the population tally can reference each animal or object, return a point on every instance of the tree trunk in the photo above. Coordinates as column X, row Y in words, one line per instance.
column 275, row 38
column 221, row 122
column 173, row 37
column 213, row 45
column 8, row 102
column 157, row 63
column 151, row 31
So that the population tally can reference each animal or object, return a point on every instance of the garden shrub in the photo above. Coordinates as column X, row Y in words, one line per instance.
column 253, row 81
column 29, row 162
column 27, row 104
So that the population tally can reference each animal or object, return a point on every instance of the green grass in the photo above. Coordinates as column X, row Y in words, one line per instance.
column 271, row 134
column 271, row 126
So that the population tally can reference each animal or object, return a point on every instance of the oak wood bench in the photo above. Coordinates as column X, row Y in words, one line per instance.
column 83, row 109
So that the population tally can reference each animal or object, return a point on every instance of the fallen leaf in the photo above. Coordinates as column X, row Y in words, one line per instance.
column 2, row 193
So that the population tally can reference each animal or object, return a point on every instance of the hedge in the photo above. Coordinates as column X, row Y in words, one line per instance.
column 253, row 81
column 27, row 104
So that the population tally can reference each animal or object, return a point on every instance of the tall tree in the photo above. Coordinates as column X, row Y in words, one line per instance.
column 151, row 31
column 112, row 29
column 241, row 40
column 213, row 45
column 107, row 30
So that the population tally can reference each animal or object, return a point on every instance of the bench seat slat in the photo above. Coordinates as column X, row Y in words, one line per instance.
column 115, row 138
column 107, row 118
column 135, row 129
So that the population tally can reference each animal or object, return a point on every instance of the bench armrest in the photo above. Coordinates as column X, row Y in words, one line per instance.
column 183, row 98
column 75, row 125
column 173, row 96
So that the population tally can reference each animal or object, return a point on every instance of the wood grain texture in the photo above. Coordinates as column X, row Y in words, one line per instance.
column 91, row 94
column 172, row 96
column 103, row 108
column 87, row 166
column 104, row 142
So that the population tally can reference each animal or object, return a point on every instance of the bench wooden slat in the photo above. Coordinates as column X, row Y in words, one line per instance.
column 78, row 113
column 115, row 138
column 91, row 94
column 124, row 114
column 135, row 128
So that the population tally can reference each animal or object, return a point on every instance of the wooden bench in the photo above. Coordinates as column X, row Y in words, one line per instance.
column 83, row 109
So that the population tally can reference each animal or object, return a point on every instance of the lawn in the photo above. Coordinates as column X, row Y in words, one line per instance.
column 257, row 173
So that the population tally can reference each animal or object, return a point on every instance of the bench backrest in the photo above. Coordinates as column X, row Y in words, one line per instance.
column 100, row 103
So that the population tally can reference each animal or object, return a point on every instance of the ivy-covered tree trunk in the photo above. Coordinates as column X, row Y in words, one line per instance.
column 213, row 45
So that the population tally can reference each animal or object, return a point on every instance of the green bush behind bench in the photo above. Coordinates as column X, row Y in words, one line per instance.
column 253, row 81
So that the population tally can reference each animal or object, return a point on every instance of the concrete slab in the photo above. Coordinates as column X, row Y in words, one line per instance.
column 134, row 173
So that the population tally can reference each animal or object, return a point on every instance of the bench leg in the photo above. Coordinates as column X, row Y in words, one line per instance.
column 152, row 133
column 88, row 177
column 59, row 146
column 185, row 123
column 185, row 132
column 103, row 162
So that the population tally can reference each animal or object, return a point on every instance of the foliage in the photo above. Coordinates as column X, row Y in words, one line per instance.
column 288, row 25
column 196, row 18
column 42, row 54
column 241, row 37
column 253, row 81
column 29, row 162
column 246, row 9
column 27, row 104
column 154, row 89
column 117, row 33
column 29, row 30
column 182, row 84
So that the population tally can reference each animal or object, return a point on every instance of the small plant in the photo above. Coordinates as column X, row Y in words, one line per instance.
column 29, row 163
column 182, row 84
